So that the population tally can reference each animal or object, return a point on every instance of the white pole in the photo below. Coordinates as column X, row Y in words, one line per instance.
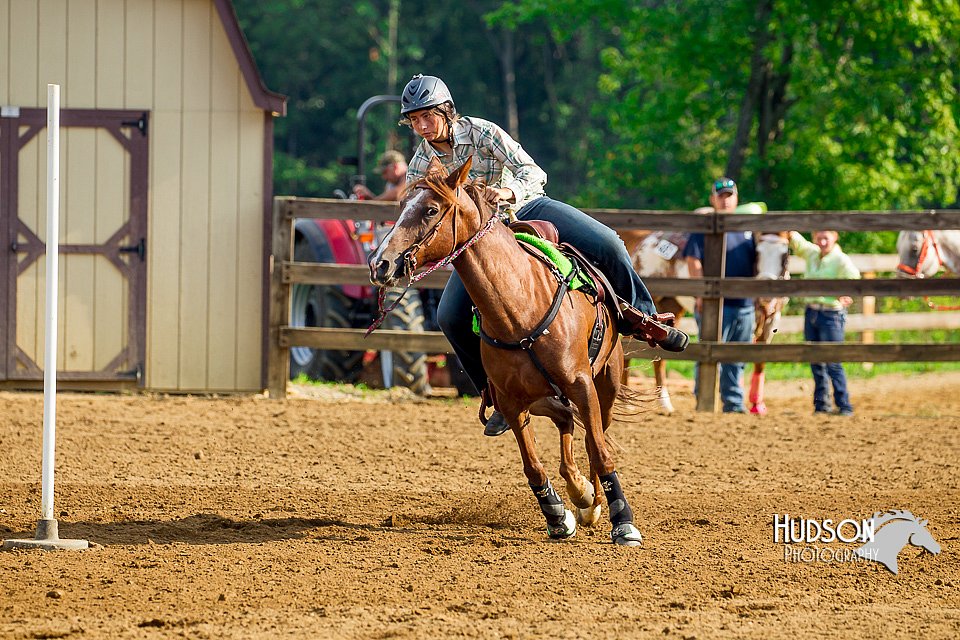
column 48, row 529
column 53, row 273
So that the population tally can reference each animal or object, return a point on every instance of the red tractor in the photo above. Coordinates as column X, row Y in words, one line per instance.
column 355, row 306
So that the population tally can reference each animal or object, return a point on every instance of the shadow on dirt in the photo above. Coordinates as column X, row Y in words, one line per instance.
column 204, row 528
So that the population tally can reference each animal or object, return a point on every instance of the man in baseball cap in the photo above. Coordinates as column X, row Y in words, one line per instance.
column 393, row 169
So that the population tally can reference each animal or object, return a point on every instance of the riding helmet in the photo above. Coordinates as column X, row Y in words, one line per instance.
column 423, row 92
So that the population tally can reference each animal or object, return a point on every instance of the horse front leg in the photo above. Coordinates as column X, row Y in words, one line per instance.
column 561, row 523
column 579, row 488
column 757, row 404
column 602, row 468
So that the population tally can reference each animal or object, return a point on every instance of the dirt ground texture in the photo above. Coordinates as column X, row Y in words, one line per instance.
column 385, row 516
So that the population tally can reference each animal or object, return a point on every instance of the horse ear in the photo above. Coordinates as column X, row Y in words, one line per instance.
column 436, row 168
column 459, row 176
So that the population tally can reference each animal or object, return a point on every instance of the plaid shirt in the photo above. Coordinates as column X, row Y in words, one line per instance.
column 497, row 158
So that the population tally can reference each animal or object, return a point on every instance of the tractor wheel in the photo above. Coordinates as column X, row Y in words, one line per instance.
column 321, row 306
column 409, row 368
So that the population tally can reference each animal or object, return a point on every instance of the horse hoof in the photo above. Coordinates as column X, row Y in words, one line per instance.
column 589, row 516
column 585, row 499
column 564, row 530
column 626, row 535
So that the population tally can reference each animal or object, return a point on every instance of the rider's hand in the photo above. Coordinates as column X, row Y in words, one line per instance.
column 503, row 194
column 846, row 301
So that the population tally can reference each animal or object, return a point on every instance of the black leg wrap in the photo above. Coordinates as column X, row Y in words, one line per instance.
column 551, row 504
column 620, row 511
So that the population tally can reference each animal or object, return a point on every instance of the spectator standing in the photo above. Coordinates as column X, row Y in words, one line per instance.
column 826, row 316
column 738, row 315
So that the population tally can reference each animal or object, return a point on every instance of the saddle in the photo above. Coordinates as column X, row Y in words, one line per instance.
column 651, row 329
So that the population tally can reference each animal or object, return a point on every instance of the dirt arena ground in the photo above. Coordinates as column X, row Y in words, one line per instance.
column 391, row 517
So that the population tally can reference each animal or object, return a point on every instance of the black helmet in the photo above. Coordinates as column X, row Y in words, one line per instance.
column 423, row 92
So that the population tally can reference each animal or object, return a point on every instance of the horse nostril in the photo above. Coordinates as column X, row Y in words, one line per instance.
column 378, row 270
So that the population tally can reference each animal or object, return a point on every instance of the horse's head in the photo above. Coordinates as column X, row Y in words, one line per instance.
column 429, row 226
column 918, row 253
column 773, row 253
column 892, row 531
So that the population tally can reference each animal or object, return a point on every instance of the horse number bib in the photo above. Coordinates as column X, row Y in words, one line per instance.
column 666, row 249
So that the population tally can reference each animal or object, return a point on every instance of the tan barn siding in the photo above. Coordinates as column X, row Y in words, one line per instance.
column 5, row 52
column 80, row 89
column 23, row 53
column 204, row 252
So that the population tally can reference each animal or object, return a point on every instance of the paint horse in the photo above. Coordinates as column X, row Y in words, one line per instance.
column 773, row 254
column 659, row 254
column 923, row 253
column 898, row 528
column 536, row 337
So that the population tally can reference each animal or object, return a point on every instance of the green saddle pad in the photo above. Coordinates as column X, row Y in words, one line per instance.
column 561, row 261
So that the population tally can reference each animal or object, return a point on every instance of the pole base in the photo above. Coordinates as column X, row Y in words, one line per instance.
column 47, row 538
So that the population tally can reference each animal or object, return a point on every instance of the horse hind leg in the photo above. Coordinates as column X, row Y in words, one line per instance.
column 623, row 531
column 580, row 490
column 561, row 523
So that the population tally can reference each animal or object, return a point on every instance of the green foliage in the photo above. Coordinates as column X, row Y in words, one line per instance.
column 863, row 98
column 839, row 104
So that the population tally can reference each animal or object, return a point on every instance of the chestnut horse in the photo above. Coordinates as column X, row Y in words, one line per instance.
column 443, row 216
column 773, row 254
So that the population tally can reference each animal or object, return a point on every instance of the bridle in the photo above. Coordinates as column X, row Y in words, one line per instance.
column 409, row 254
column 928, row 241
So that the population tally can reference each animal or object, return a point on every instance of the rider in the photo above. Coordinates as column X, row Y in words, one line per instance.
column 427, row 107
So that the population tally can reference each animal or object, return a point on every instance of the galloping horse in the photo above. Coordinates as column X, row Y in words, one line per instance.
column 660, row 255
column 514, row 293
column 773, row 254
column 923, row 253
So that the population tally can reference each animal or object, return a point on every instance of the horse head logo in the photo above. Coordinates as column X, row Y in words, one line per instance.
column 898, row 528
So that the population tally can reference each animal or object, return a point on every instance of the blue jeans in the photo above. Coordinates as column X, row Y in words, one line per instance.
column 736, row 326
column 826, row 325
column 597, row 241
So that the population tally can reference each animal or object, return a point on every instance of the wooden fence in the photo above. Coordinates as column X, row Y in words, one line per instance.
column 712, row 287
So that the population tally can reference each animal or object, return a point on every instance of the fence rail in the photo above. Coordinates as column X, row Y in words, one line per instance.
column 712, row 288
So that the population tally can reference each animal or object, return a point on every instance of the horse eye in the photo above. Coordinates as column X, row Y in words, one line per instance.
column 432, row 211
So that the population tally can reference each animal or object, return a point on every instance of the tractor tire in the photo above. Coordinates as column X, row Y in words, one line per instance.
column 409, row 368
column 321, row 306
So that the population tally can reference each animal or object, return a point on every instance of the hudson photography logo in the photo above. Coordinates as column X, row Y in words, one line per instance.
column 879, row 538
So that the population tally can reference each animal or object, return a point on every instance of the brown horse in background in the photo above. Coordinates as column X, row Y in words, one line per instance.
column 659, row 254
column 443, row 216
column 773, row 254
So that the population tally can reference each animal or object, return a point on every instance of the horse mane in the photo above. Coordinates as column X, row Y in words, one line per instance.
column 476, row 189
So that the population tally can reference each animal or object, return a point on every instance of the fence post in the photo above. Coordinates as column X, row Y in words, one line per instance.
column 869, row 308
column 278, row 358
column 711, row 314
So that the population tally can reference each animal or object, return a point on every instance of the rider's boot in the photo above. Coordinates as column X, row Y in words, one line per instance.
column 496, row 425
column 656, row 330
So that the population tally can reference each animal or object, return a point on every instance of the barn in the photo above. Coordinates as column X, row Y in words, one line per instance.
column 166, row 188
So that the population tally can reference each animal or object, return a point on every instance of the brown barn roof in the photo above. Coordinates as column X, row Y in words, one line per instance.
column 262, row 97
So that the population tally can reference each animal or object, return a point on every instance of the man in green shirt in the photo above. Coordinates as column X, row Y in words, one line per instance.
column 826, row 315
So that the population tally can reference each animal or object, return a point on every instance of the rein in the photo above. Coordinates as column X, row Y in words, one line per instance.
column 411, row 263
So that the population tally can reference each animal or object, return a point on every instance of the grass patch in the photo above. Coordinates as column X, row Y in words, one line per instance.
column 796, row 370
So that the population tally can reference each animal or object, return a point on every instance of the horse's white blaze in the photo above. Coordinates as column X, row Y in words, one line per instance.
column 404, row 214
column 770, row 258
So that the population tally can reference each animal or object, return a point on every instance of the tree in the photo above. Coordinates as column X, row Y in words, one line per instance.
column 810, row 105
